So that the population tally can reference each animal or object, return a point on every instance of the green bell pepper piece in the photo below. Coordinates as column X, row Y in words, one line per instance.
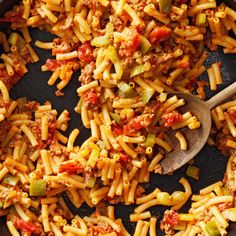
column 146, row 95
column 91, row 182
column 115, row 117
column 150, row 140
column 126, row 89
column 11, row 180
column 144, row 45
column 201, row 19
column 37, row 187
column 212, row 229
column 165, row 5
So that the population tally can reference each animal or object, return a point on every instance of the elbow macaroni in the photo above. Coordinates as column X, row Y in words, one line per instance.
column 126, row 121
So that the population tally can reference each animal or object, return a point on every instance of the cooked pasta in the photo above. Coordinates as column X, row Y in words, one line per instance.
column 130, row 56
column 214, row 207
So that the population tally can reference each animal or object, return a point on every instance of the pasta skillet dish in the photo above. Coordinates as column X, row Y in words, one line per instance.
column 131, row 54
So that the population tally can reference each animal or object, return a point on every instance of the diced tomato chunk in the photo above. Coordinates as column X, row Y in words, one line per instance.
column 117, row 129
column 70, row 167
column 232, row 114
column 184, row 64
column 125, row 16
column 26, row 226
column 135, row 41
column 171, row 118
column 137, row 123
column 159, row 34
column 139, row 29
column 224, row 206
column 131, row 128
column 14, row 17
column 129, row 47
column 85, row 52
column 171, row 218
column 91, row 98
column 53, row 64
column 7, row 19
column 124, row 158
column 101, row 229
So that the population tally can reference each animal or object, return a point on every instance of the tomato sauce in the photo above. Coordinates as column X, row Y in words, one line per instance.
column 85, row 52
column 159, row 34
column 26, row 226
column 171, row 118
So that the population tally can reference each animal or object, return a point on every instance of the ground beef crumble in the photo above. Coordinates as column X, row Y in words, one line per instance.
column 87, row 73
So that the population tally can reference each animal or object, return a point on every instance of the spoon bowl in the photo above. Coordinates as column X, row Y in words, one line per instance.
column 196, row 138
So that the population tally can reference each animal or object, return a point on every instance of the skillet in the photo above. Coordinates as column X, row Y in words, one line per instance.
column 210, row 161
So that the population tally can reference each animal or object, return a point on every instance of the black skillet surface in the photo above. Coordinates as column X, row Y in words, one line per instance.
column 231, row 3
column 211, row 162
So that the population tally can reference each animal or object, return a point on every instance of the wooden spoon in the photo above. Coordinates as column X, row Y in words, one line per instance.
column 197, row 138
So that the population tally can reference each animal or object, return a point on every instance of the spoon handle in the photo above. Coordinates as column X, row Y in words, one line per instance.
column 222, row 96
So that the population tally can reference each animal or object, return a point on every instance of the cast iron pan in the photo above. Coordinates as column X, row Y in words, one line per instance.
column 211, row 162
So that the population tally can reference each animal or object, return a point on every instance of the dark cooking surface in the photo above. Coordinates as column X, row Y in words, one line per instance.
column 211, row 162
